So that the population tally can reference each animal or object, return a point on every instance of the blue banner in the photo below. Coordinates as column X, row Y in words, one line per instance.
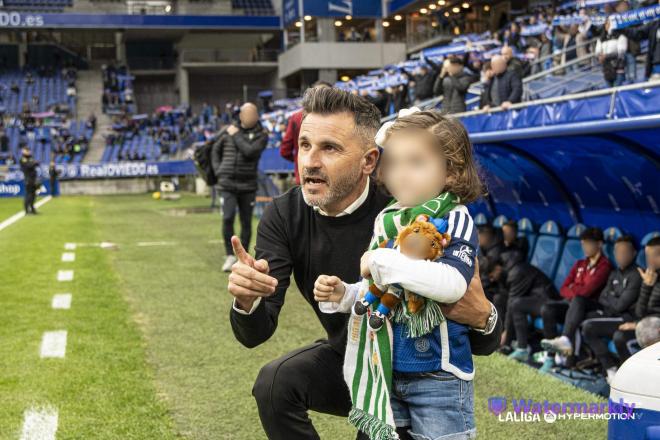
column 15, row 19
column 290, row 12
column 635, row 17
column 16, row 188
column 340, row 8
column 112, row 170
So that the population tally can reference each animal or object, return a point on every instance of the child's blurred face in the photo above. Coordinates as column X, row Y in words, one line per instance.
column 414, row 168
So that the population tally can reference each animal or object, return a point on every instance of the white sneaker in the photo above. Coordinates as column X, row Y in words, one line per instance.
column 229, row 262
column 611, row 372
column 561, row 345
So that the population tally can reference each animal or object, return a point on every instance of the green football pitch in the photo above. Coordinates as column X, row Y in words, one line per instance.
column 149, row 350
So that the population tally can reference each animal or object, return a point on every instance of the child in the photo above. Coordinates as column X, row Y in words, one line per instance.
column 417, row 371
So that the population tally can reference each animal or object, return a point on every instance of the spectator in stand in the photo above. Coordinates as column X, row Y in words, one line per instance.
column 569, row 48
column 611, row 49
column 397, row 98
column 512, row 63
column 633, row 48
column 289, row 145
column 235, row 156
column 504, row 88
column 579, row 291
column 616, row 304
column 425, row 80
column 650, row 31
column 453, row 84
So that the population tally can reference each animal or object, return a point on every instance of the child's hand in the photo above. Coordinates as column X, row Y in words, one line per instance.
column 328, row 288
column 365, row 272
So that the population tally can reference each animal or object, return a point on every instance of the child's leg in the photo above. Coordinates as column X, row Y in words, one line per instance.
column 440, row 404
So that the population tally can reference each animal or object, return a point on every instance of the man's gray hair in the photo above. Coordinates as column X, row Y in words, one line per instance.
column 331, row 100
column 647, row 331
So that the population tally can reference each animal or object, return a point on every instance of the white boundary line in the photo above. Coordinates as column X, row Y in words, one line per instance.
column 64, row 275
column 53, row 344
column 19, row 215
column 39, row 424
column 61, row 301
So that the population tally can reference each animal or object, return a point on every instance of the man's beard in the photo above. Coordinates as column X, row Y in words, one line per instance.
column 338, row 188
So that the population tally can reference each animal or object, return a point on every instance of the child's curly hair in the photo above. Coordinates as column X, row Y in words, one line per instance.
column 462, row 171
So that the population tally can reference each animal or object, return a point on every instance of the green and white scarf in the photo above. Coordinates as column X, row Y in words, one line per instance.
column 368, row 360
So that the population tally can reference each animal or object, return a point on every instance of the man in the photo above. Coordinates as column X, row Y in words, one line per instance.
column 617, row 304
column 513, row 64
column 511, row 239
column 490, row 249
column 504, row 87
column 580, row 292
column 650, row 31
column 234, row 158
column 29, row 168
column 453, row 84
column 527, row 289
column 425, row 80
column 322, row 227
column 289, row 144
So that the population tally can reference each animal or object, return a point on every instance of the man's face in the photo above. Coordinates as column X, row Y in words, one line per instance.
column 624, row 254
column 485, row 238
column 332, row 158
column 509, row 234
column 249, row 115
column 591, row 247
column 652, row 257
column 507, row 53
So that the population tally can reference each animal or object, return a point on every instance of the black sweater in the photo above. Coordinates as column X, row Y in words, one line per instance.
column 621, row 291
column 293, row 238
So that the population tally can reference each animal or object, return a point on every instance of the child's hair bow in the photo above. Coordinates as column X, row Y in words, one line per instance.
column 382, row 132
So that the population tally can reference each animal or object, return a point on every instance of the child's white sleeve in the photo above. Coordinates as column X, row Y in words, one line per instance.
column 344, row 306
column 431, row 279
column 444, row 280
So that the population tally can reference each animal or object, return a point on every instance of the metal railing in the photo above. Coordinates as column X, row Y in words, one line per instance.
column 590, row 94
column 435, row 101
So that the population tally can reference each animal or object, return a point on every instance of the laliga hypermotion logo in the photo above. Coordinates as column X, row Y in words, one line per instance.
column 496, row 405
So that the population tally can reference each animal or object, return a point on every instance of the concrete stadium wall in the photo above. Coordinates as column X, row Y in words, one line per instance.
column 139, row 185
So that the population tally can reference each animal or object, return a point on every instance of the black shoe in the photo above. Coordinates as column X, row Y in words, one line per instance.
column 360, row 308
column 376, row 321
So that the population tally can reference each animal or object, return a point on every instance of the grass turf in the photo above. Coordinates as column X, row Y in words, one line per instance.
column 183, row 373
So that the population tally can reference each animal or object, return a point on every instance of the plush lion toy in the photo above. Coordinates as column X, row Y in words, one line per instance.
column 420, row 240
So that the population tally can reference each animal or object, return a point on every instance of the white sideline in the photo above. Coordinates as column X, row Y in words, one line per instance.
column 53, row 344
column 64, row 275
column 39, row 424
column 19, row 215
column 61, row 301
column 68, row 256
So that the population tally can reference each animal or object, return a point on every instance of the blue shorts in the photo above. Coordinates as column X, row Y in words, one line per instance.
column 434, row 405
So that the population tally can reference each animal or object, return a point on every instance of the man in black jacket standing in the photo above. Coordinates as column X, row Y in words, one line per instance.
column 504, row 88
column 322, row 227
column 29, row 168
column 235, row 157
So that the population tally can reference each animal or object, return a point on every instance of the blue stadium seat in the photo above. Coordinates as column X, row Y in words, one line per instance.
column 480, row 219
column 611, row 235
column 641, row 256
column 499, row 221
column 526, row 229
column 548, row 247
column 571, row 253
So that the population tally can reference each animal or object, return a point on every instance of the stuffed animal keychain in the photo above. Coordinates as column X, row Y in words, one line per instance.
column 424, row 239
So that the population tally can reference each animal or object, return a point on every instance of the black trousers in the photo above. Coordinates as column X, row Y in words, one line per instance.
column 308, row 378
column 553, row 313
column 230, row 201
column 518, row 309
column 596, row 329
column 29, row 197
column 577, row 312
